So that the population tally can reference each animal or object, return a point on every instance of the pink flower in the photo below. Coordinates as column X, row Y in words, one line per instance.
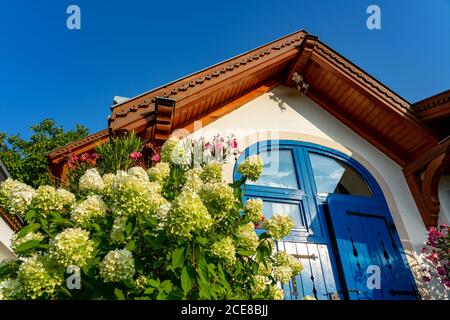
column 218, row 146
column 84, row 157
column 135, row 155
column 156, row 158
column 94, row 156
column 234, row 144
column 208, row 145
column 426, row 279
column 74, row 159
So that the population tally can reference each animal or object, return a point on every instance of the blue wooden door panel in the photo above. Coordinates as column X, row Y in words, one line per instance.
column 365, row 237
column 316, row 279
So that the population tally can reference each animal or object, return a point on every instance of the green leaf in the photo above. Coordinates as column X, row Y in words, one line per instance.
column 27, row 229
column 154, row 283
column 27, row 246
column 119, row 294
column 149, row 290
column 131, row 245
column 202, row 240
column 30, row 215
column 187, row 281
column 246, row 253
column 178, row 257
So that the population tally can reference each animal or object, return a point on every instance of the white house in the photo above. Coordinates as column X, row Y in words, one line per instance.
column 362, row 171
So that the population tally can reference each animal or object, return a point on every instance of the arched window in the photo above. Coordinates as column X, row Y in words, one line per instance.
column 342, row 224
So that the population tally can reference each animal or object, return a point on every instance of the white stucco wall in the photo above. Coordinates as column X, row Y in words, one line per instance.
column 283, row 114
column 444, row 197
column 5, row 240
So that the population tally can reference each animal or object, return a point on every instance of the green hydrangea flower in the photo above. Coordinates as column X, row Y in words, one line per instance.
column 212, row 172
column 247, row 238
column 251, row 167
column 72, row 247
column 219, row 198
column 224, row 249
column 117, row 265
column 159, row 172
column 188, row 215
column 253, row 209
column 260, row 283
column 48, row 199
column 279, row 226
column 133, row 196
column 276, row 293
column 193, row 181
column 11, row 289
column 38, row 277
column 282, row 274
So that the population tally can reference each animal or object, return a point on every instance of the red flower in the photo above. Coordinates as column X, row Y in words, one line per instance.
column 234, row 144
column 208, row 145
column 135, row 155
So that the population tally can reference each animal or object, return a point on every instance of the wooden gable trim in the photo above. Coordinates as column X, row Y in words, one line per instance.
column 423, row 176
column 434, row 107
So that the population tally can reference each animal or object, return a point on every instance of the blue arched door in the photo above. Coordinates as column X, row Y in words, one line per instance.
column 344, row 234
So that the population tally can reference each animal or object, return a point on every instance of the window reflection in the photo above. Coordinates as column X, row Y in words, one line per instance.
column 293, row 210
column 279, row 170
column 334, row 176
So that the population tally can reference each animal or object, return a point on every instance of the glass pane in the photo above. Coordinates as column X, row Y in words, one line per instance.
column 334, row 176
column 279, row 170
column 292, row 210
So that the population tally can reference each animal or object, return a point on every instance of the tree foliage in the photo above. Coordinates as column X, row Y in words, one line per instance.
column 26, row 160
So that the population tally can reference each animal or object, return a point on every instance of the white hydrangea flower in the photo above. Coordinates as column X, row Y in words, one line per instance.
column 91, row 181
column 15, row 196
column 117, row 265
column 252, row 167
column 193, row 181
column 91, row 208
column 139, row 173
column 72, row 247
column 161, row 215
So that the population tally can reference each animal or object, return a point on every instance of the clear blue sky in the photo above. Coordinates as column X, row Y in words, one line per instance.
column 128, row 47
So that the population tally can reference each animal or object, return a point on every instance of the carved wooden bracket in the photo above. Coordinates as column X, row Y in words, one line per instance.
column 423, row 177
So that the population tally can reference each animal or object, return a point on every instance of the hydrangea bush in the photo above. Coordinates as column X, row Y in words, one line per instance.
column 170, row 232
